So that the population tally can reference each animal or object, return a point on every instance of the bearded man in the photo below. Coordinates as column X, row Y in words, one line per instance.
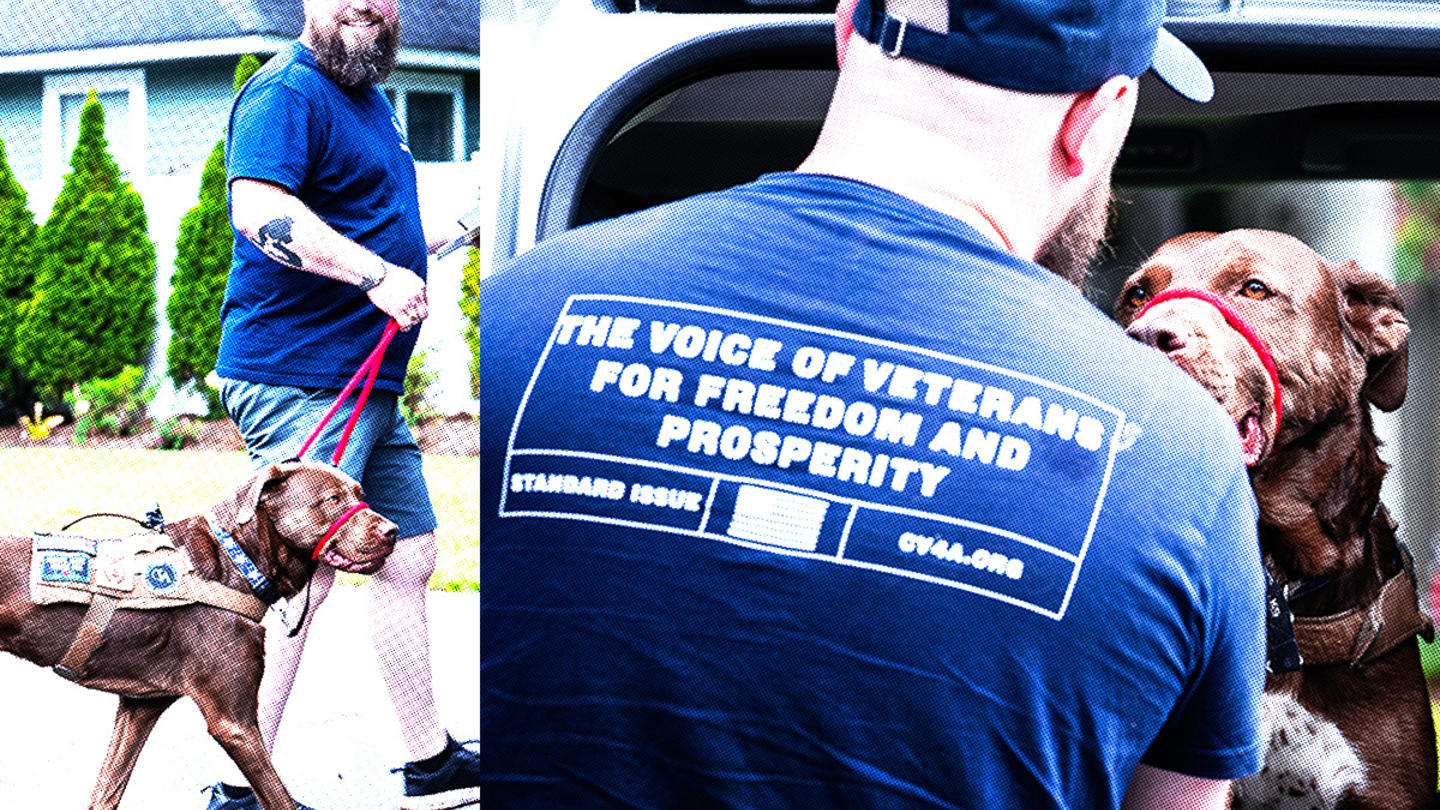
column 822, row 491
column 328, row 247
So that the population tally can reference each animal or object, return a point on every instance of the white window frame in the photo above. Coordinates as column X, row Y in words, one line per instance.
column 404, row 82
column 60, row 85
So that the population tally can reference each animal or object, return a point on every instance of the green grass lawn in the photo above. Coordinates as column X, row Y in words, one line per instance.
column 47, row 487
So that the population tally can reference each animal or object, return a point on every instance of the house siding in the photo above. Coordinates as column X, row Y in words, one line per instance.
column 189, row 103
column 20, row 103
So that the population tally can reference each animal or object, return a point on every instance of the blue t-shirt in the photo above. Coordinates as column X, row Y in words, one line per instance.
column 341, row 152
column 802, row 494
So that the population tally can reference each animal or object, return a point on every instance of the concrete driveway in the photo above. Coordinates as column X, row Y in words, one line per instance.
column 336, row 748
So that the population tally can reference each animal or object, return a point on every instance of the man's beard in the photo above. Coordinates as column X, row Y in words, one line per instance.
column 1069, row 251
column 365, row 64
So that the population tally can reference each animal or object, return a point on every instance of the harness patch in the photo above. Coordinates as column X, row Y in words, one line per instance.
column 145, row 570
column 108, row 575
column 161, row 578
column 62, row 559
column 60, row 566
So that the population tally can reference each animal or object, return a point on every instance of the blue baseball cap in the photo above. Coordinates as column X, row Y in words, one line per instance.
column 1044, row 46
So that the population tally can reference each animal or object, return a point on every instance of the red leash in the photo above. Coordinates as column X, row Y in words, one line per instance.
column 368, row 370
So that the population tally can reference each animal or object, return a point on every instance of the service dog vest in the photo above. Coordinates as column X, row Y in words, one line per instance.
column 144, row 571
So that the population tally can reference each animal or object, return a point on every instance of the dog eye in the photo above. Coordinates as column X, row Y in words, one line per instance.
column 1256, row 289
column 1136, row 296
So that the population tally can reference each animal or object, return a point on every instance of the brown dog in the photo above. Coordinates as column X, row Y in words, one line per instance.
column 1351, row 726
column 211, row 654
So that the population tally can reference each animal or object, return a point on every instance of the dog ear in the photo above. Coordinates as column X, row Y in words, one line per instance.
column 249, row 501
column 1375, row 317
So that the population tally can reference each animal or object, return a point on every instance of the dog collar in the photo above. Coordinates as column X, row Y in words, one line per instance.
column 335, row 527
column 1282, row 649
column 262, row 587
column 1262, row 349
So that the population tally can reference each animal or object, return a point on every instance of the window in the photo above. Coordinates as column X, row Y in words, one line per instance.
column 431, row 111
column 121, row 92
column 430, row 122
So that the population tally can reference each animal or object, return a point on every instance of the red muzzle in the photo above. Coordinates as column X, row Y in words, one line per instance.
column 335, row 527
column 1262, row 349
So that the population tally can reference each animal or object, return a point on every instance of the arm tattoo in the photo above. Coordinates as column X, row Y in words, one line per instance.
column 275, row 240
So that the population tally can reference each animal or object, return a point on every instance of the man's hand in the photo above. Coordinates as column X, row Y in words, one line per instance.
column 401, row 295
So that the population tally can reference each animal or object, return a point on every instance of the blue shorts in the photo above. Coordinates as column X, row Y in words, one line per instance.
column 274, row 420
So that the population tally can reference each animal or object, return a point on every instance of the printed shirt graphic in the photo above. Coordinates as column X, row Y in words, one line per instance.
column 800, row 492
column 896, row 453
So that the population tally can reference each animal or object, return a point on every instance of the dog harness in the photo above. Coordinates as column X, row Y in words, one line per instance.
column 144, row 571
column 1357, row 636
column 1262, row 349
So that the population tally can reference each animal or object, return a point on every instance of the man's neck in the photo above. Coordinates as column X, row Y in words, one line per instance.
column 997, row 182
column 970, row 212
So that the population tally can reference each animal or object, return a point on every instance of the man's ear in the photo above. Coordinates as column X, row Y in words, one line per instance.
column 1374, row 318
column 1092, row 120
column 249, row 499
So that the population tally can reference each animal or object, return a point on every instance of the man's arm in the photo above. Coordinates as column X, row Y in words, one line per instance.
column 1156, row 789
column 278, row 223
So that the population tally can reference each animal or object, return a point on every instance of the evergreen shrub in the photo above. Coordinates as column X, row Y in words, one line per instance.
column 17, row 281
column 92, row 309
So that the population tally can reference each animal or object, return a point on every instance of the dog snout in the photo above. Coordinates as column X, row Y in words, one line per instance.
column 386, row 539
column 364, row 549
column 381, row 537
column 386, row 530
column 1167, row 334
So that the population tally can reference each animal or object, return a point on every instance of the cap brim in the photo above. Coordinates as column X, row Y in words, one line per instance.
column 1179, row 67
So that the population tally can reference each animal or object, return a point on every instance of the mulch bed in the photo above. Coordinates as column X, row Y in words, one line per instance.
column 447, row 436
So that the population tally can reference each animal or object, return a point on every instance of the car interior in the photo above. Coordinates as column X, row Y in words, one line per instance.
column 1319, row 109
